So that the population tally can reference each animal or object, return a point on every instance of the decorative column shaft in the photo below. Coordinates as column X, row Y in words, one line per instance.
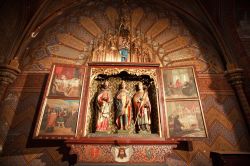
column 8, row 74
column 235, row 77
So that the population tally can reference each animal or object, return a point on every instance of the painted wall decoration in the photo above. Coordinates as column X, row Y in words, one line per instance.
column 139, row 33
column 58, row 114
column 185, row 119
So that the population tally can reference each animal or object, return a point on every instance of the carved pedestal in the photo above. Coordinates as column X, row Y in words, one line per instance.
column 235, row 77
column 91, row 153
column 8, row 74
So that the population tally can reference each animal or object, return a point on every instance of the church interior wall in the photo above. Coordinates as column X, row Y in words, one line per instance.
column 72, row 38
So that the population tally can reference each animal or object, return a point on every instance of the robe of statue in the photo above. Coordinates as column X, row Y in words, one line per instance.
column 142, row 108
column 123, row 109
column 103, row 110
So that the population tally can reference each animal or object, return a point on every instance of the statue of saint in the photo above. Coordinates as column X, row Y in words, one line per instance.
column 124, row 38
column 123, row 108
column 124, row 49
column 103, row 107
column 142, row 108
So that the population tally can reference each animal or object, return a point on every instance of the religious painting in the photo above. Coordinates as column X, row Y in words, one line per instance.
column 179, row 83
column 59, row 117
column 185, row 119
column 66, row 81
column 122, row 153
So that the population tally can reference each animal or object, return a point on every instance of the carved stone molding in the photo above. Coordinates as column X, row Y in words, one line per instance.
column 235, row 78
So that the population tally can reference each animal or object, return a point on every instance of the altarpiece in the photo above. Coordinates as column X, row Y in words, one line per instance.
column 121, row 102
column 122, row 95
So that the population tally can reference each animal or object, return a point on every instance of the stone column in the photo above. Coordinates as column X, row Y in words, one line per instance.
column 8, row 74
column 235, row 78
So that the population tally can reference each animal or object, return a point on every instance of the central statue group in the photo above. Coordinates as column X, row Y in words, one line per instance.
column 129, row 114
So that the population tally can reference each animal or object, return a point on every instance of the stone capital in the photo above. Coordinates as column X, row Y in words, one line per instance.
column 235, row 76
column 8, row 74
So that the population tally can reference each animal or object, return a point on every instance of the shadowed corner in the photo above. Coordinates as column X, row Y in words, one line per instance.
column 184, row 146
column 67, row 156
column 1, row 150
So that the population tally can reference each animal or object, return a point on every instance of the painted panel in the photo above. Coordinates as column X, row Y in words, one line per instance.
column 179, row 83
column 185, row 119
column 66, row 82
column 59, row 117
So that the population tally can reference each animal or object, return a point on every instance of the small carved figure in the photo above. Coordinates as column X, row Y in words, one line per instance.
column 123, row 108
column 103, row 108
column 124, row 49
column 124, row 26
column 142, row 109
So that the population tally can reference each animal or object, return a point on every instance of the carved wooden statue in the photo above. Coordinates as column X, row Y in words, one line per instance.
column 103, row 108
column 123, row 108
column 142, row 108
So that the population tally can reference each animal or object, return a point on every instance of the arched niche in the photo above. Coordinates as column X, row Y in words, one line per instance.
column 76, row 38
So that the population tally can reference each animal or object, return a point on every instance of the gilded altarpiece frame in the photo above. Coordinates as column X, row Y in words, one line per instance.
column 118, row 75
